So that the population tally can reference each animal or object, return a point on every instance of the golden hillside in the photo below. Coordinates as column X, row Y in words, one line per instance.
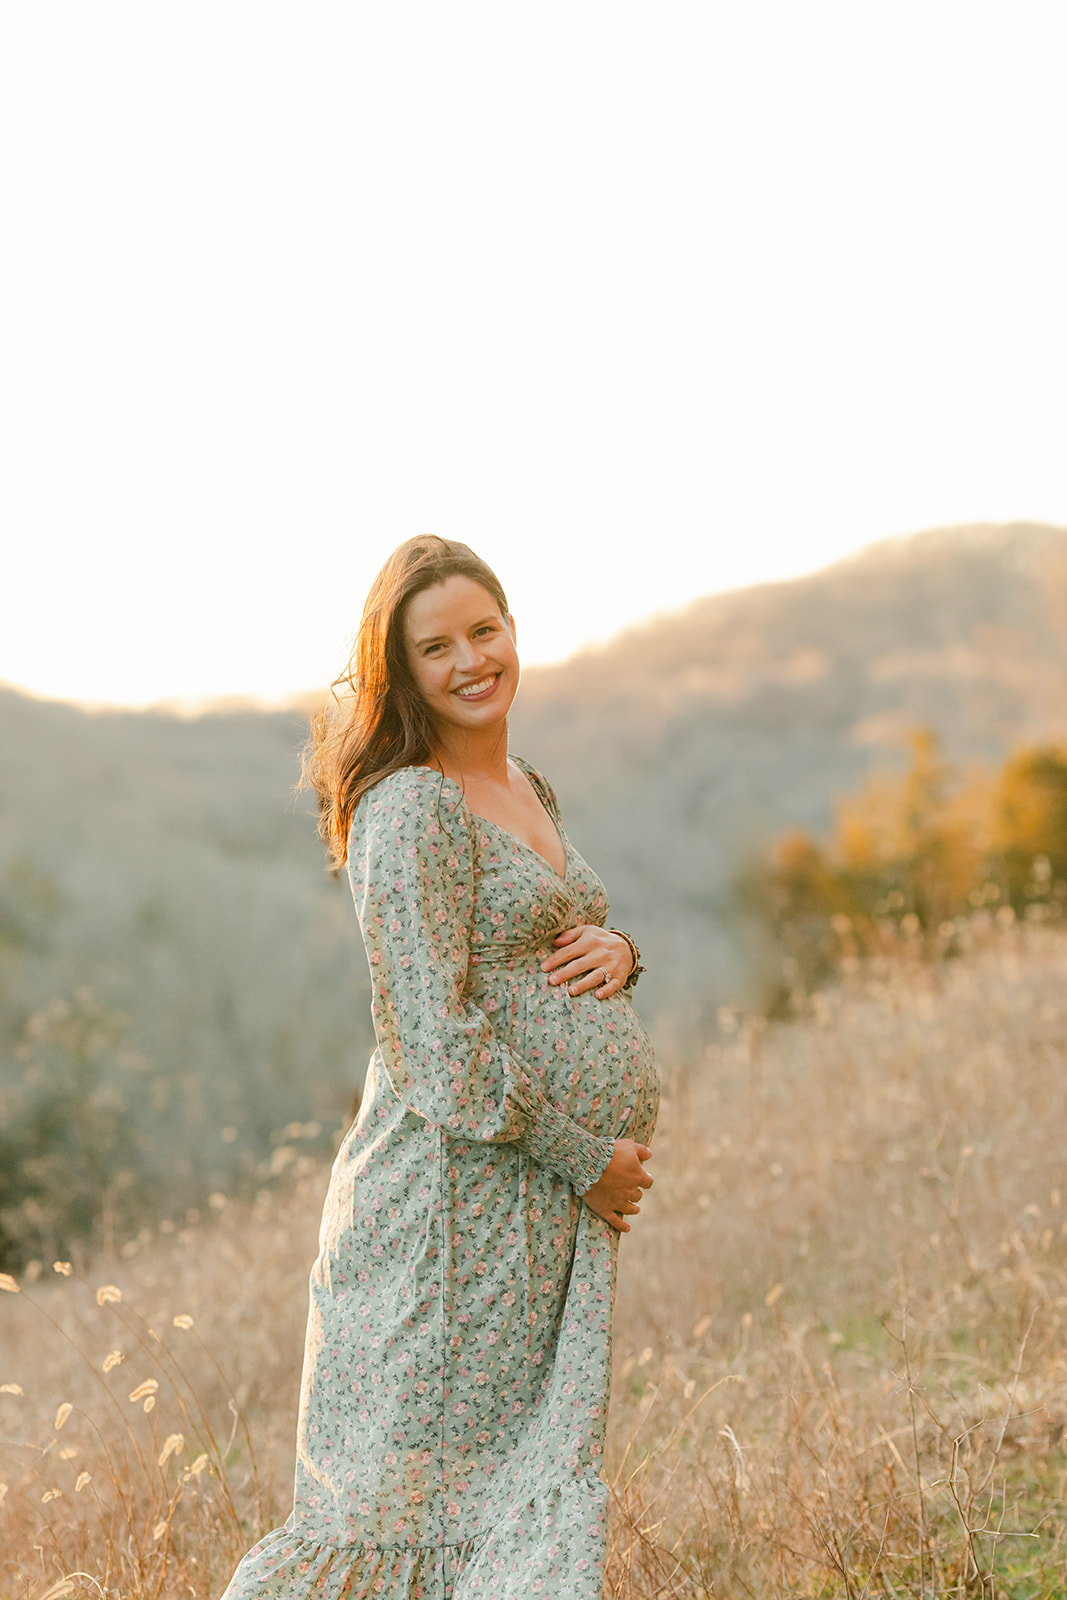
column 840, row 1329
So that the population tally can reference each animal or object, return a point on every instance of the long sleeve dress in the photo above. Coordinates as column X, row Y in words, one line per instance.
column 457, row 1366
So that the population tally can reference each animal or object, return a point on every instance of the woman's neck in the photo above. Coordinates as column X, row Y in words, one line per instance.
column 473, row 757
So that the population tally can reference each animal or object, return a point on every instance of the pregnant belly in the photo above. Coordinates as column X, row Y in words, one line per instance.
column 593, row 1057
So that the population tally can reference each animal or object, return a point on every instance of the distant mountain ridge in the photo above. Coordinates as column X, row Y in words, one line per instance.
column 941, row 607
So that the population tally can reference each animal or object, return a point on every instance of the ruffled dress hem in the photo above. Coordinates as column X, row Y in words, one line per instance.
column 551, row 1546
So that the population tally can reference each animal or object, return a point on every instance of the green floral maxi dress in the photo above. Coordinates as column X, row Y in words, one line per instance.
column 457, row 1367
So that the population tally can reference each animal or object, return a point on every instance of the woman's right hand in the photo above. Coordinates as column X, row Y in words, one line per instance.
column 615, row 1194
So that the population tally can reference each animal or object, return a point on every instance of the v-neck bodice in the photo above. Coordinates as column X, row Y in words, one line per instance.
column 547, row 800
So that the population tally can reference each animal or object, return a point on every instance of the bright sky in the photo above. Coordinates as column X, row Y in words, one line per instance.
column 641, row 301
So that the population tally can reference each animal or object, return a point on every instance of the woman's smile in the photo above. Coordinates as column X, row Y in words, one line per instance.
column 479, row 690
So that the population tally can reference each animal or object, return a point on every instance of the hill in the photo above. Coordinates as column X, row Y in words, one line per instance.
column 180, row 979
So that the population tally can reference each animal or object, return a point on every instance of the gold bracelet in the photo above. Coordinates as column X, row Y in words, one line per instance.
column 637, row 969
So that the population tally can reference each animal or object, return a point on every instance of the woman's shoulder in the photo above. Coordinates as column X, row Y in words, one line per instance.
column 411, row 798
column 401, row 779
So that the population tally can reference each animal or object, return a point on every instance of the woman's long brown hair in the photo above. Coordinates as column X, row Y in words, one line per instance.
column 379, row 722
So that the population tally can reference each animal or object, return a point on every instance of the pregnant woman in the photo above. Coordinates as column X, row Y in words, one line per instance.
column 457, row 1367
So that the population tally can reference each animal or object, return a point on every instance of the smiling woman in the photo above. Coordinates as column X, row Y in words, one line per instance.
column 457, row 1363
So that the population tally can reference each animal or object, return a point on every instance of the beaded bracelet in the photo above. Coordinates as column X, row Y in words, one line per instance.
column 637, row 969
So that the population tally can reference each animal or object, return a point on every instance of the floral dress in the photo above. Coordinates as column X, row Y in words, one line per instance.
column 457, row 1365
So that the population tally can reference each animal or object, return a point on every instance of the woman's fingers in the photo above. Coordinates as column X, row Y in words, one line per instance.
column 570, row 963
column 615, row 1219
column 562, row 943
column 598, row 979
column 585, row 958
column 592, row 972
column 618, row 1191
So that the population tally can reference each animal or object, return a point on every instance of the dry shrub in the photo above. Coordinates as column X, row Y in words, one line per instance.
column 839, row 1365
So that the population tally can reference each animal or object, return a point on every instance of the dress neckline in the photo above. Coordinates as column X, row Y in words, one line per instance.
column 561, row 876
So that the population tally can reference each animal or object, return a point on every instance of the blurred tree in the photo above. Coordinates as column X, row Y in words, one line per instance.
column 1030, row 825
column 69, row 1147
column 918, row 850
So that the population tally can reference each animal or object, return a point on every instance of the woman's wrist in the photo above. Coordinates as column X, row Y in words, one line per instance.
column 636, row 968
column 555, row 1140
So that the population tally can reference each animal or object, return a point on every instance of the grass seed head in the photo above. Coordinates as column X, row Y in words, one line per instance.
column 174, row 1445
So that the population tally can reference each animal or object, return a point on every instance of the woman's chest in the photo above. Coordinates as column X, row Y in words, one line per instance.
column 520, row 900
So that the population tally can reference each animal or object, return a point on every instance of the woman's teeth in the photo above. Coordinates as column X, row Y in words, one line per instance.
column 470, row 689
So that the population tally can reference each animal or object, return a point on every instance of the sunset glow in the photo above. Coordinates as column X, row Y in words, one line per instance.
column 639, row 302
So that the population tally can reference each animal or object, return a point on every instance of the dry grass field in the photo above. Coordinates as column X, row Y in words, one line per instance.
column 840, row 1364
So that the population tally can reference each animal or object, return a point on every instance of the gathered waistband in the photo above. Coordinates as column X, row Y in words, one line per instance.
column 506, row 960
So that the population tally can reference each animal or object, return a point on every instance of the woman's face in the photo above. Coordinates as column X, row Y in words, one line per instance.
column 462, row 655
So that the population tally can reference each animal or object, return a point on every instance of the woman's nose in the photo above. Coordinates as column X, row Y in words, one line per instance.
column 469, row 656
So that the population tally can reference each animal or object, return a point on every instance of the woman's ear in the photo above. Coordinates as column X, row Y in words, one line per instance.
column 511, row 624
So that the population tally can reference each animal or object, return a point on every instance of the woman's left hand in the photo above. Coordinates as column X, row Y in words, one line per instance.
column 588, row 957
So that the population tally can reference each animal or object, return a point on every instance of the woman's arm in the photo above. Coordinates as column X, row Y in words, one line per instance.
column 412, row 874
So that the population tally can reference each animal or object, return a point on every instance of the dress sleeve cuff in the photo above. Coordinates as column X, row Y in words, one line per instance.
column 555, row 1140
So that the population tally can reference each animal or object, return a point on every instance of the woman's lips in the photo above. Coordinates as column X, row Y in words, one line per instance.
column 477, row 691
